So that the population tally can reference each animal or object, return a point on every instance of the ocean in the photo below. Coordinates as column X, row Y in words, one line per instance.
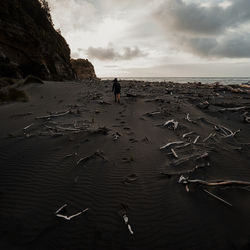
column 208, row 80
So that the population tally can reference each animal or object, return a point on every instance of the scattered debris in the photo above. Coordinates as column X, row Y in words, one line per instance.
column 225, row 131
column 69, row 217
column 175, row 124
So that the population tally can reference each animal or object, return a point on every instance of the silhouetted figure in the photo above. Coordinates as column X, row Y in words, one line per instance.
column 117, row 90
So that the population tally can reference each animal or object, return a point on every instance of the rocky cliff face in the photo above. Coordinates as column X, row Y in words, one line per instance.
column 83, row 68
column 29, row 44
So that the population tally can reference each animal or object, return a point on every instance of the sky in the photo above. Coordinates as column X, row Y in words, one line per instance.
column 158, row 38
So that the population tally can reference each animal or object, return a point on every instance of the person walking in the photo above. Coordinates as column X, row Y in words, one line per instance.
column 117, row 90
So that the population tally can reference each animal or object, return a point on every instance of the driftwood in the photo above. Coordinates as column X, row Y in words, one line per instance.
column 27, row 127
column 53, row 115
column 226, row 132
column 188, row 158
column 233, row 109
column 174, row 153
column 183, row 146
column 69, row 217
column 196, row 139
column 210, row 135
column 217, row 197
column 171, row 143
column 85, row 159
column 189, row 171
column 189, row 119
column 247, row 119
column 153, row 113
column 175, row 124
column 61, row 208
column 214, row 183
column 187, row 134
column 125, row 218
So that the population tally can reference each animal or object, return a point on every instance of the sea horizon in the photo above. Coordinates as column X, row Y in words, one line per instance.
column 206, row 80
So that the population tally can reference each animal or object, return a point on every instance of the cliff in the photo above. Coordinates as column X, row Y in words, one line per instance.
column 29, row 44
column 83, row 68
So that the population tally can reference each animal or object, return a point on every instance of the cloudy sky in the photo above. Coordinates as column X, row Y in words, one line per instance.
column 153, row 38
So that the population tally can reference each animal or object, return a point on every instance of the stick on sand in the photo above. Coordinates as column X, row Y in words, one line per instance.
column 218, row 198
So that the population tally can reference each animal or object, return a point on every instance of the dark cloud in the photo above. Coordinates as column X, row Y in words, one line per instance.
column 211, row 31
column 234, row 46
column 109, row 53
column 194, row 18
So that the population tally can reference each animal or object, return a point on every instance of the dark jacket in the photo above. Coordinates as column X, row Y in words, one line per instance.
column 116, row 87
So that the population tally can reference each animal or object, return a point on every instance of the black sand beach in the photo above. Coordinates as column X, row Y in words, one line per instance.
column 71, row 144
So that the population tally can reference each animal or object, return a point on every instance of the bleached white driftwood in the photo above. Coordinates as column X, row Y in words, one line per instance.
column 214, row 183
column 72, row 216
column 183, row 146
column 190, row 157
column 53, row 115
column 196, row 139
column 174, row 153
column 210, row 135
column 187, row 134
column 153, row 113
column 217, row 197
column 27, row 127
column 125, row 218
column 233, row 109
column 130, row 229
column 188, row 118
column 226, row 131
column 61, row 208
column 175, row 123
column 69, row 217
column 247, row 119
column 171, row 143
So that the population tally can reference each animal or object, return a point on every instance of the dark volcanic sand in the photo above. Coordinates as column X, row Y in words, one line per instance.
column 39, row 171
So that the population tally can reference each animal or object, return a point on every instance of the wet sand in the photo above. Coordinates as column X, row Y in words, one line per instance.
column 71, row 144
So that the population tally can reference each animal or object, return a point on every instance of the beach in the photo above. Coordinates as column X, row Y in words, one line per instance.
column 168, row 168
